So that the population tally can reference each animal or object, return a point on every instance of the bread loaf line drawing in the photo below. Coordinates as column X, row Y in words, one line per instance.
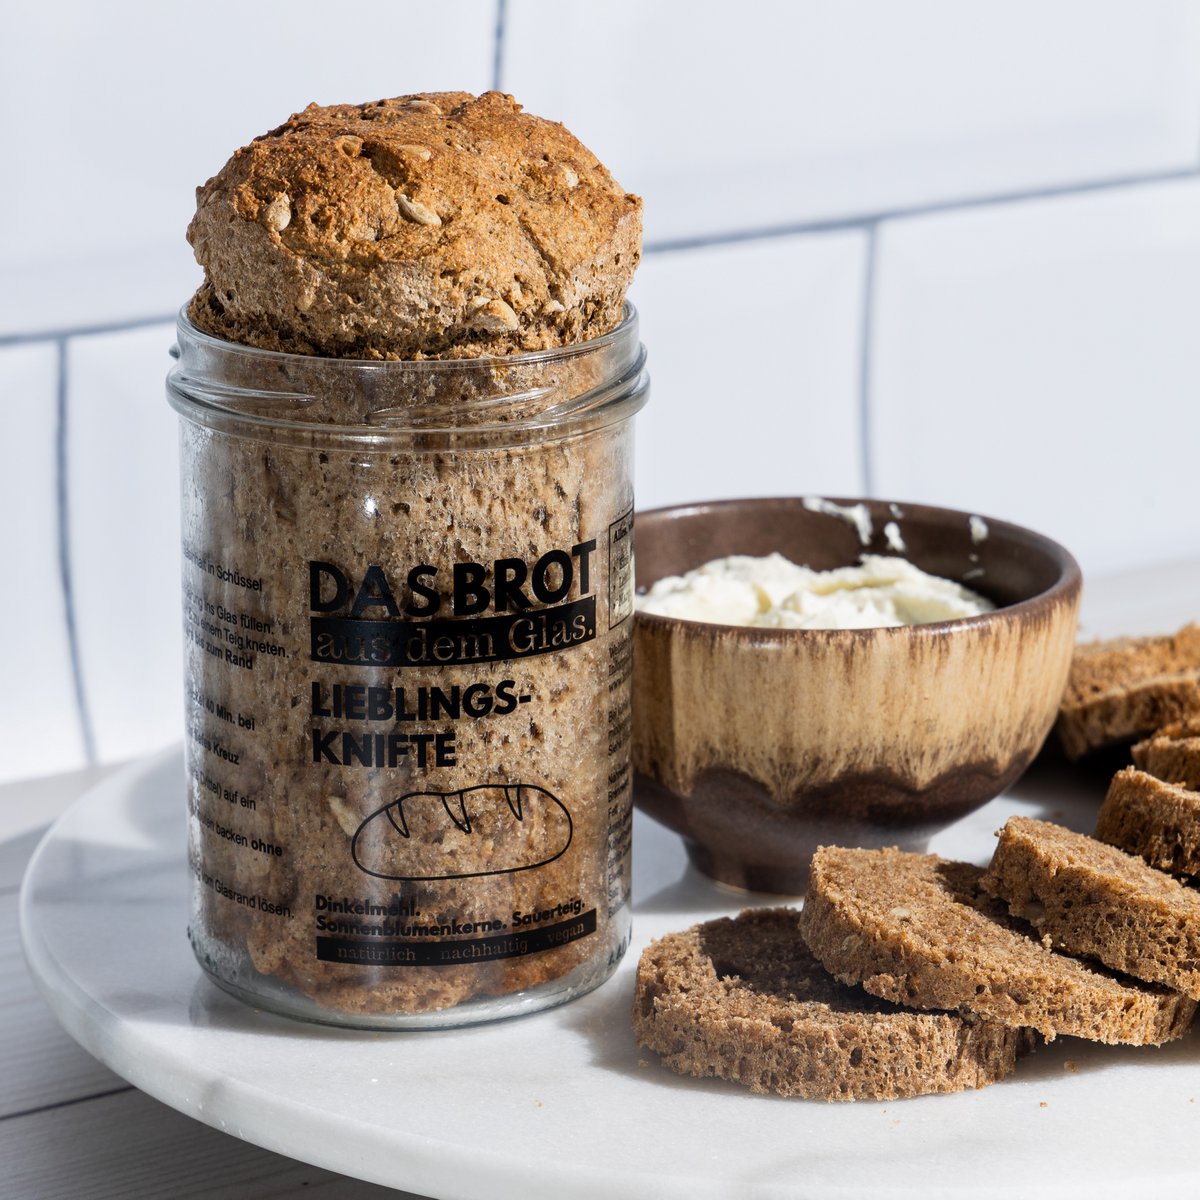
column 530, row 827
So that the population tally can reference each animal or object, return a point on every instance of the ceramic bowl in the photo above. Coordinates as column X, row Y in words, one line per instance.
column 758, row 745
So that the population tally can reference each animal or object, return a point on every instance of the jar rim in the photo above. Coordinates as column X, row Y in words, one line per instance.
column 621, row 331
column 206, row 385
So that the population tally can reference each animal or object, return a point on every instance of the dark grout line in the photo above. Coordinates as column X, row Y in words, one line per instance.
column 55, row 335
column 41, row 1108
column 865, row 331
column 498, row 48
column 62, row 501
column 863, row 222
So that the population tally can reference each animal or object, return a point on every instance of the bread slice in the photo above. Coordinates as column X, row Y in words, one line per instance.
column 916, row 929
column 1157, row 820
column 743, row 999
column 1173, row 753
column 1126, row 688
column 1093, row 899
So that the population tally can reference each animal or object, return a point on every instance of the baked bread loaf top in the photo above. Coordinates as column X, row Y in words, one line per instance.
column 1153, row 818
column 1125, row 688
column 744, row 999
column 916, row 929
column 439, row 225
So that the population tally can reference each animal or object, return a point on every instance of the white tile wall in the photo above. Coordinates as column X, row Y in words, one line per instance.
column 99, row 289
column 1041, row 362
column 1030, row 357
column 754, row 365
column 38, row 715
column 111, row 114
column 124, row 523
column 762, row 113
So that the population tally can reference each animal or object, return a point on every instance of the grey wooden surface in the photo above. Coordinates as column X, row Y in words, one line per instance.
column 69, row 1127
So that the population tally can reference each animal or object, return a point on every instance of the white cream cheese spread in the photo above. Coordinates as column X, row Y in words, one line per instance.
column 774, row 592
column 857, row 516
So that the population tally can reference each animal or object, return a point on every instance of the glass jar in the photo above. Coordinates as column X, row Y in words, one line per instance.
column 407, row 604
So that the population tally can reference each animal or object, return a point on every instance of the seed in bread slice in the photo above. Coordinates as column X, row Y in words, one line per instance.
column 1156, row 820
column 916, row 929
column 1128, row 687
column 1093, row 899
column 1172, row 754
column 743, row 999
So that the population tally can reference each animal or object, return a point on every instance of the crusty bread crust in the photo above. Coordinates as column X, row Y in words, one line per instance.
column 439, row 225
column 917, row 930
column 1150, row 817
column 1093, row 899
column 1128, row 687
column 1172, row 754
column 743, row 999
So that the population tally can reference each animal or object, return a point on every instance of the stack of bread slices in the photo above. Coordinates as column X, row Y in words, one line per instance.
column 906, row 974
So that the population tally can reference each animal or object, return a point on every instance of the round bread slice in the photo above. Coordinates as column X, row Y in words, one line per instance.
column 916, row 929
column 1172, row 754
column 1125, row 688
column 1093, row 899
column 1156, row 820
column 744, row 999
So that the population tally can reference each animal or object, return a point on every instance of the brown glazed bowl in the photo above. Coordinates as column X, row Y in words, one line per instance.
column 758, row 745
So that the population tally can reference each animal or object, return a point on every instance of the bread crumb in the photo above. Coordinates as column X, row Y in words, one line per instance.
column 1126, row 688
column 1079, row 883
column 744, row 999
column 1042, row 1104
column 1000, row 966
column 1071, row 1066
